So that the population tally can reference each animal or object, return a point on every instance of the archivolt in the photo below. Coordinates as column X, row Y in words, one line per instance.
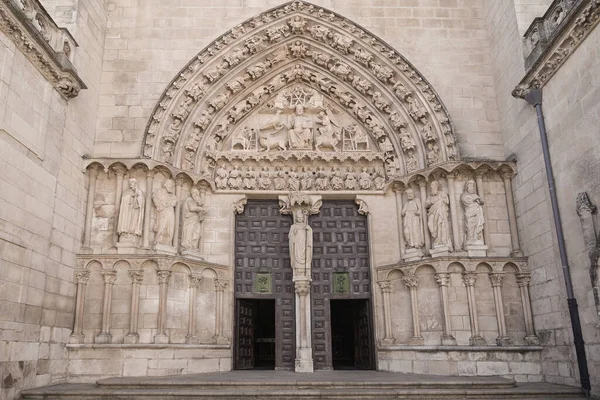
column 298, row 43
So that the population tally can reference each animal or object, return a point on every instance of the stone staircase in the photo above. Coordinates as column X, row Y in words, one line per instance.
column 281, row 385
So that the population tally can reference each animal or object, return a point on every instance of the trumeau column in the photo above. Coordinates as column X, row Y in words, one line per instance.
column 412, row 282
column 486, row 230
column 442, row 281
column 137, row 277
column 304, row 360
column 469, row 279
column 163, row 281
column 398, row 192
column 191, row 335
column 110, row 277
column 388, row 338
column 453, row 211
column 82, row 278
column 120, row 172
column 220, row 286
column 426, row 234
column 496, row 280
column 148, row 210
column 179, row 185
column 512, row 216
column 89, row 213
column 531, row 338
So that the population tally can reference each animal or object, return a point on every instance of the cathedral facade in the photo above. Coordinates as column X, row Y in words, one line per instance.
column 195, row 187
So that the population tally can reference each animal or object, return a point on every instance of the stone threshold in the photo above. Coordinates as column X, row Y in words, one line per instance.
column 459, row 348
column 151, row 346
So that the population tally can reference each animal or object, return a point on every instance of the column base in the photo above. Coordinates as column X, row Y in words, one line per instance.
column 76, row 339
column 532, row 340
column 477, row 341
column 192, row 253
column 413, row 254
column 416, row 341
column 86, row 250
column 476, row 250
column 192, row 339
column 161, row 339
column 103, row 338
column 132, row 338
column 163, row 248
column 504, row 341
column 440, row 251
column 388, row 341
column 448, row 340
column 218, row 339
column 304, row 366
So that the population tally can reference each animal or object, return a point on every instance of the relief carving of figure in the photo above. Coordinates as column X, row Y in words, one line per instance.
column 379, row 181
column 193, row 214
column 301, row 244
column 222, row 175
column 364, row 179
column 131, row 215
column 306, row 182
column 319, row 32
column 416, row 112
column 427, row 130
column 272, row 135
column 279, row 181
column 328, row 137
column 250, row 179
column 401, row 91
column 437, row 216
column 337, row 182
column 473, row 206
column 396, row 120
column 235, row 178
column 413, row 228
column 297, row 24
column 264, row 179
column 411, row 161
column 350, row 183
column 298, row 49
column 406, row 141
column 322, row 180
column 300, row 130
column 164, row 200
column 356, row 138
column 293, row 180
column 433, row 155
column 380, row 102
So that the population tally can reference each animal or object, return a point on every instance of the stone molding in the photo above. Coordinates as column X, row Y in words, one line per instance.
column 150, row 346
column 551, row 39
column 426, row 349
column 306, row 45
column 49, row 48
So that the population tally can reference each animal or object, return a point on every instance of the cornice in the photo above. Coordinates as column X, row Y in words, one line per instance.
column 48, row 47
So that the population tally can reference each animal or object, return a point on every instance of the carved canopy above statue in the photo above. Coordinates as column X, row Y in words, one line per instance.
column 301, row 90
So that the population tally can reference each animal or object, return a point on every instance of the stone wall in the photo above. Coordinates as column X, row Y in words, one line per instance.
column 571, row 105
column 148, row 43
column 42, row 204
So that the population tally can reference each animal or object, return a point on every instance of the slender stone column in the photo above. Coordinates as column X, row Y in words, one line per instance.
column 453, row 212
column 469, row 281
column 163, row 281
column 89, row 212
column 531, row 338
column 388, row 338
column 423, row 188
column 110, row 277
column 304, row 360
column 179, row 185
column 148, row 210
column 412, row 282
column 120, row 173
column 442, row 280
column 220, row 286
column 398, row 192
column 512, row 216
column 194, row 283
column 137, row 277
column 502, row 339
column 82, row 278
column 480, row 192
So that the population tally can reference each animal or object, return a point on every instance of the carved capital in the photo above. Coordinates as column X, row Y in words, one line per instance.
column 496, row 279
column 93, row 171
column 523, row 279
column 109, row 276
column 302, row 287
column 398, row 188
column 119, row 170
column 195, row 281
column 163, row 277
column 442, row 279
column 411, row 281
column 220, row 285
column 386, row 286
column 180, row 181
column 136, row 276
column 469, row 278
column 82, row 276
column 300, row 201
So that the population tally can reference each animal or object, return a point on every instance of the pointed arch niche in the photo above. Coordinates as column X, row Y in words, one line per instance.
column 294, row 86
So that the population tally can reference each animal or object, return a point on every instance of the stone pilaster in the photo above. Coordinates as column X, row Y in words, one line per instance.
column 523, row 280
column 220, row 286
column 442, row 281
column 496, row 280
column 304, row 360
column 110, row 276
column 469, row 279
column 163, row 281
column 137, row 277
column 82, row 277
column 194, row 282
column 388, row 338
column 412, row 282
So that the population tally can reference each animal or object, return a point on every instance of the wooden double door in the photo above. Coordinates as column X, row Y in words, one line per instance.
column 342, row 334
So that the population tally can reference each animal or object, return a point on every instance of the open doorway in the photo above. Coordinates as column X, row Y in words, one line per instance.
column 351, row 337
column 255, row 343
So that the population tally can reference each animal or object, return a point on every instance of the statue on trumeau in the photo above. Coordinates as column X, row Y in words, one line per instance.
column 193, row 214
column 413, row 228
column 165, row 200
column 301, row 243
column 437, row 216
column 473, row 206
column 131, row 215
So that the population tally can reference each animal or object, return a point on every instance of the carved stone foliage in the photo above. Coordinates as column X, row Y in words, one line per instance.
column 295, row 80
column 48, row 47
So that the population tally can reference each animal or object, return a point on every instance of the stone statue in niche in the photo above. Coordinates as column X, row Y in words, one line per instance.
column 473, row 206
column 300, row 130
column 379, row 180
column 193, row 216
column 413, row 228
column 437, row 217
column 301, row 244
column 165, row 200
column 131, row 215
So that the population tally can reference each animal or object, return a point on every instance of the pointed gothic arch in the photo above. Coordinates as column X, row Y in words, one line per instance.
column 206, row 113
